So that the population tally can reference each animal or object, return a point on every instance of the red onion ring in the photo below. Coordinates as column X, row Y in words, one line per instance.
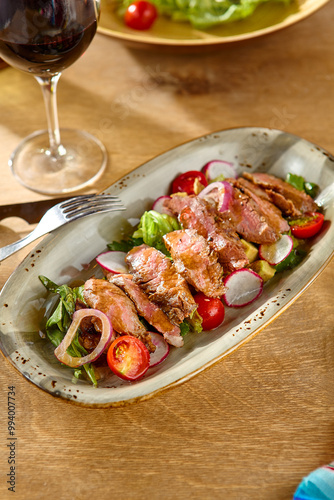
column 106, row 338
column 225, row 193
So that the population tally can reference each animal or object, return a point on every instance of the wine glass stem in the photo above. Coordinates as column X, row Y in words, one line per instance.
column 49, row 89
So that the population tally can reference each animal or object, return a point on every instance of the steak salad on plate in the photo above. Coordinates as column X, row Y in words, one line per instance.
column 211, row 243
column 37, row 320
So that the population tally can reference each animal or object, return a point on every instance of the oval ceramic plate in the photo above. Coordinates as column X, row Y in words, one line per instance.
column 69, row 253
column 267, row 18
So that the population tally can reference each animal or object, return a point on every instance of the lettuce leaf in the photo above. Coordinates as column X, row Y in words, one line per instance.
column 153, row 226
column 195, row 322
column 203, row 14
column 299, row 183
column 191, row 324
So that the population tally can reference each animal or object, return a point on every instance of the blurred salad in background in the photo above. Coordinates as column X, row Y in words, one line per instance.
column 202, row 14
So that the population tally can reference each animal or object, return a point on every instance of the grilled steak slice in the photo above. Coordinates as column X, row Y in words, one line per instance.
column 285, row 205
column 272, row 214
column 301, row 202
column 150, row 311
column 89, row 335
column 157, row 276
column 201, row 215
column 111, row 300
column 89, row 340
column 251, row 214
column 259, row 191
column 175, row 204
column 249, row 219
column 195, row 261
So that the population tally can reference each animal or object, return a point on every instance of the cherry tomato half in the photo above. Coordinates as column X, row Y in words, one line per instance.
column 140, row 15
column 186, row 183
column 128, row 357
column 307, row 227
column 211, row 311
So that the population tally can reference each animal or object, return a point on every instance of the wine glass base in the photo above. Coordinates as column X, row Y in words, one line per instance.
column 80, row 161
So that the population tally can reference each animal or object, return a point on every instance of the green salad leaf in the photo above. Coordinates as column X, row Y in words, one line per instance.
column 299, row 183
column 60, row 320
column 153, row 226
column 195, row 322
column 311, row 188
column 191, row 324
column 203, row 14
column 125, row 245
column 184, row 327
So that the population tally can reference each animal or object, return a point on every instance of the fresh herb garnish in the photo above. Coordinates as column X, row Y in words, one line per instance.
column 299, row 183
column 58, row 323
column 125, row 245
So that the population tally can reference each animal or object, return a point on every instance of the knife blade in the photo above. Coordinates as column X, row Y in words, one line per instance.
column 31, row 212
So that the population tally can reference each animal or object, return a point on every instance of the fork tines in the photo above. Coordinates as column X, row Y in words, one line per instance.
column 91, row 204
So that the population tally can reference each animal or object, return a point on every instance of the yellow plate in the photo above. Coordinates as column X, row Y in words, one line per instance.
column 165, row 33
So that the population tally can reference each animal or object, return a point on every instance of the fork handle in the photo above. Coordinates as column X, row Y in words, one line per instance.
column 17, row 245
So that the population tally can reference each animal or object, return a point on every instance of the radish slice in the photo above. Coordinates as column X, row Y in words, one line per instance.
column 106, row 338
column 243, row 287
column 158, row 205
column 216, row 168
column 161, row 349
column 113, row 262
column 278, row 251
column 224, row 194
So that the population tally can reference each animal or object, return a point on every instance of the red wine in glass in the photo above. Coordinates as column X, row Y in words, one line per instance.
column 44, row 37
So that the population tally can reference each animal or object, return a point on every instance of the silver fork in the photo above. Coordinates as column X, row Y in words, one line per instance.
column 66, row 211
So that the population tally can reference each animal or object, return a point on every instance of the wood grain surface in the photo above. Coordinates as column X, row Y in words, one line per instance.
column 253, row 425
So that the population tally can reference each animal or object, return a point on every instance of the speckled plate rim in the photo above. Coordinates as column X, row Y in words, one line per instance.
column 252, row 148
column 309, row 8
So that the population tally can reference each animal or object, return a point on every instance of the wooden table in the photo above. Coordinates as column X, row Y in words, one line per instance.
column 257, row 422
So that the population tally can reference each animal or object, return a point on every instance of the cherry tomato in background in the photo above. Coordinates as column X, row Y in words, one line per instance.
column 128, row 357
column 211, row 310
column 307, row 227
column 189, row 182
column 140, row 15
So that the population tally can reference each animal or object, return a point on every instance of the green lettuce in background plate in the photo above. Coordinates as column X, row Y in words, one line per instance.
column 203, row 14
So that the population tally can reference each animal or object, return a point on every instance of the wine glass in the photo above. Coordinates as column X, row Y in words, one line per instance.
column 43, row 37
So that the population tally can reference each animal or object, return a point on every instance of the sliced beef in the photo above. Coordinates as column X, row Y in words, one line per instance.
column 148, row 310
column 286, row 206
column 111, row 300
column 89, row 335
column 196, row 261
column 257, row 190
column 175, row 204
column 201, row 215
column 287, row 198
column 249, row 219
column 265, row 199
column 272, row 214
column 157, row 276
column 89, row 339
column 253, row 217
